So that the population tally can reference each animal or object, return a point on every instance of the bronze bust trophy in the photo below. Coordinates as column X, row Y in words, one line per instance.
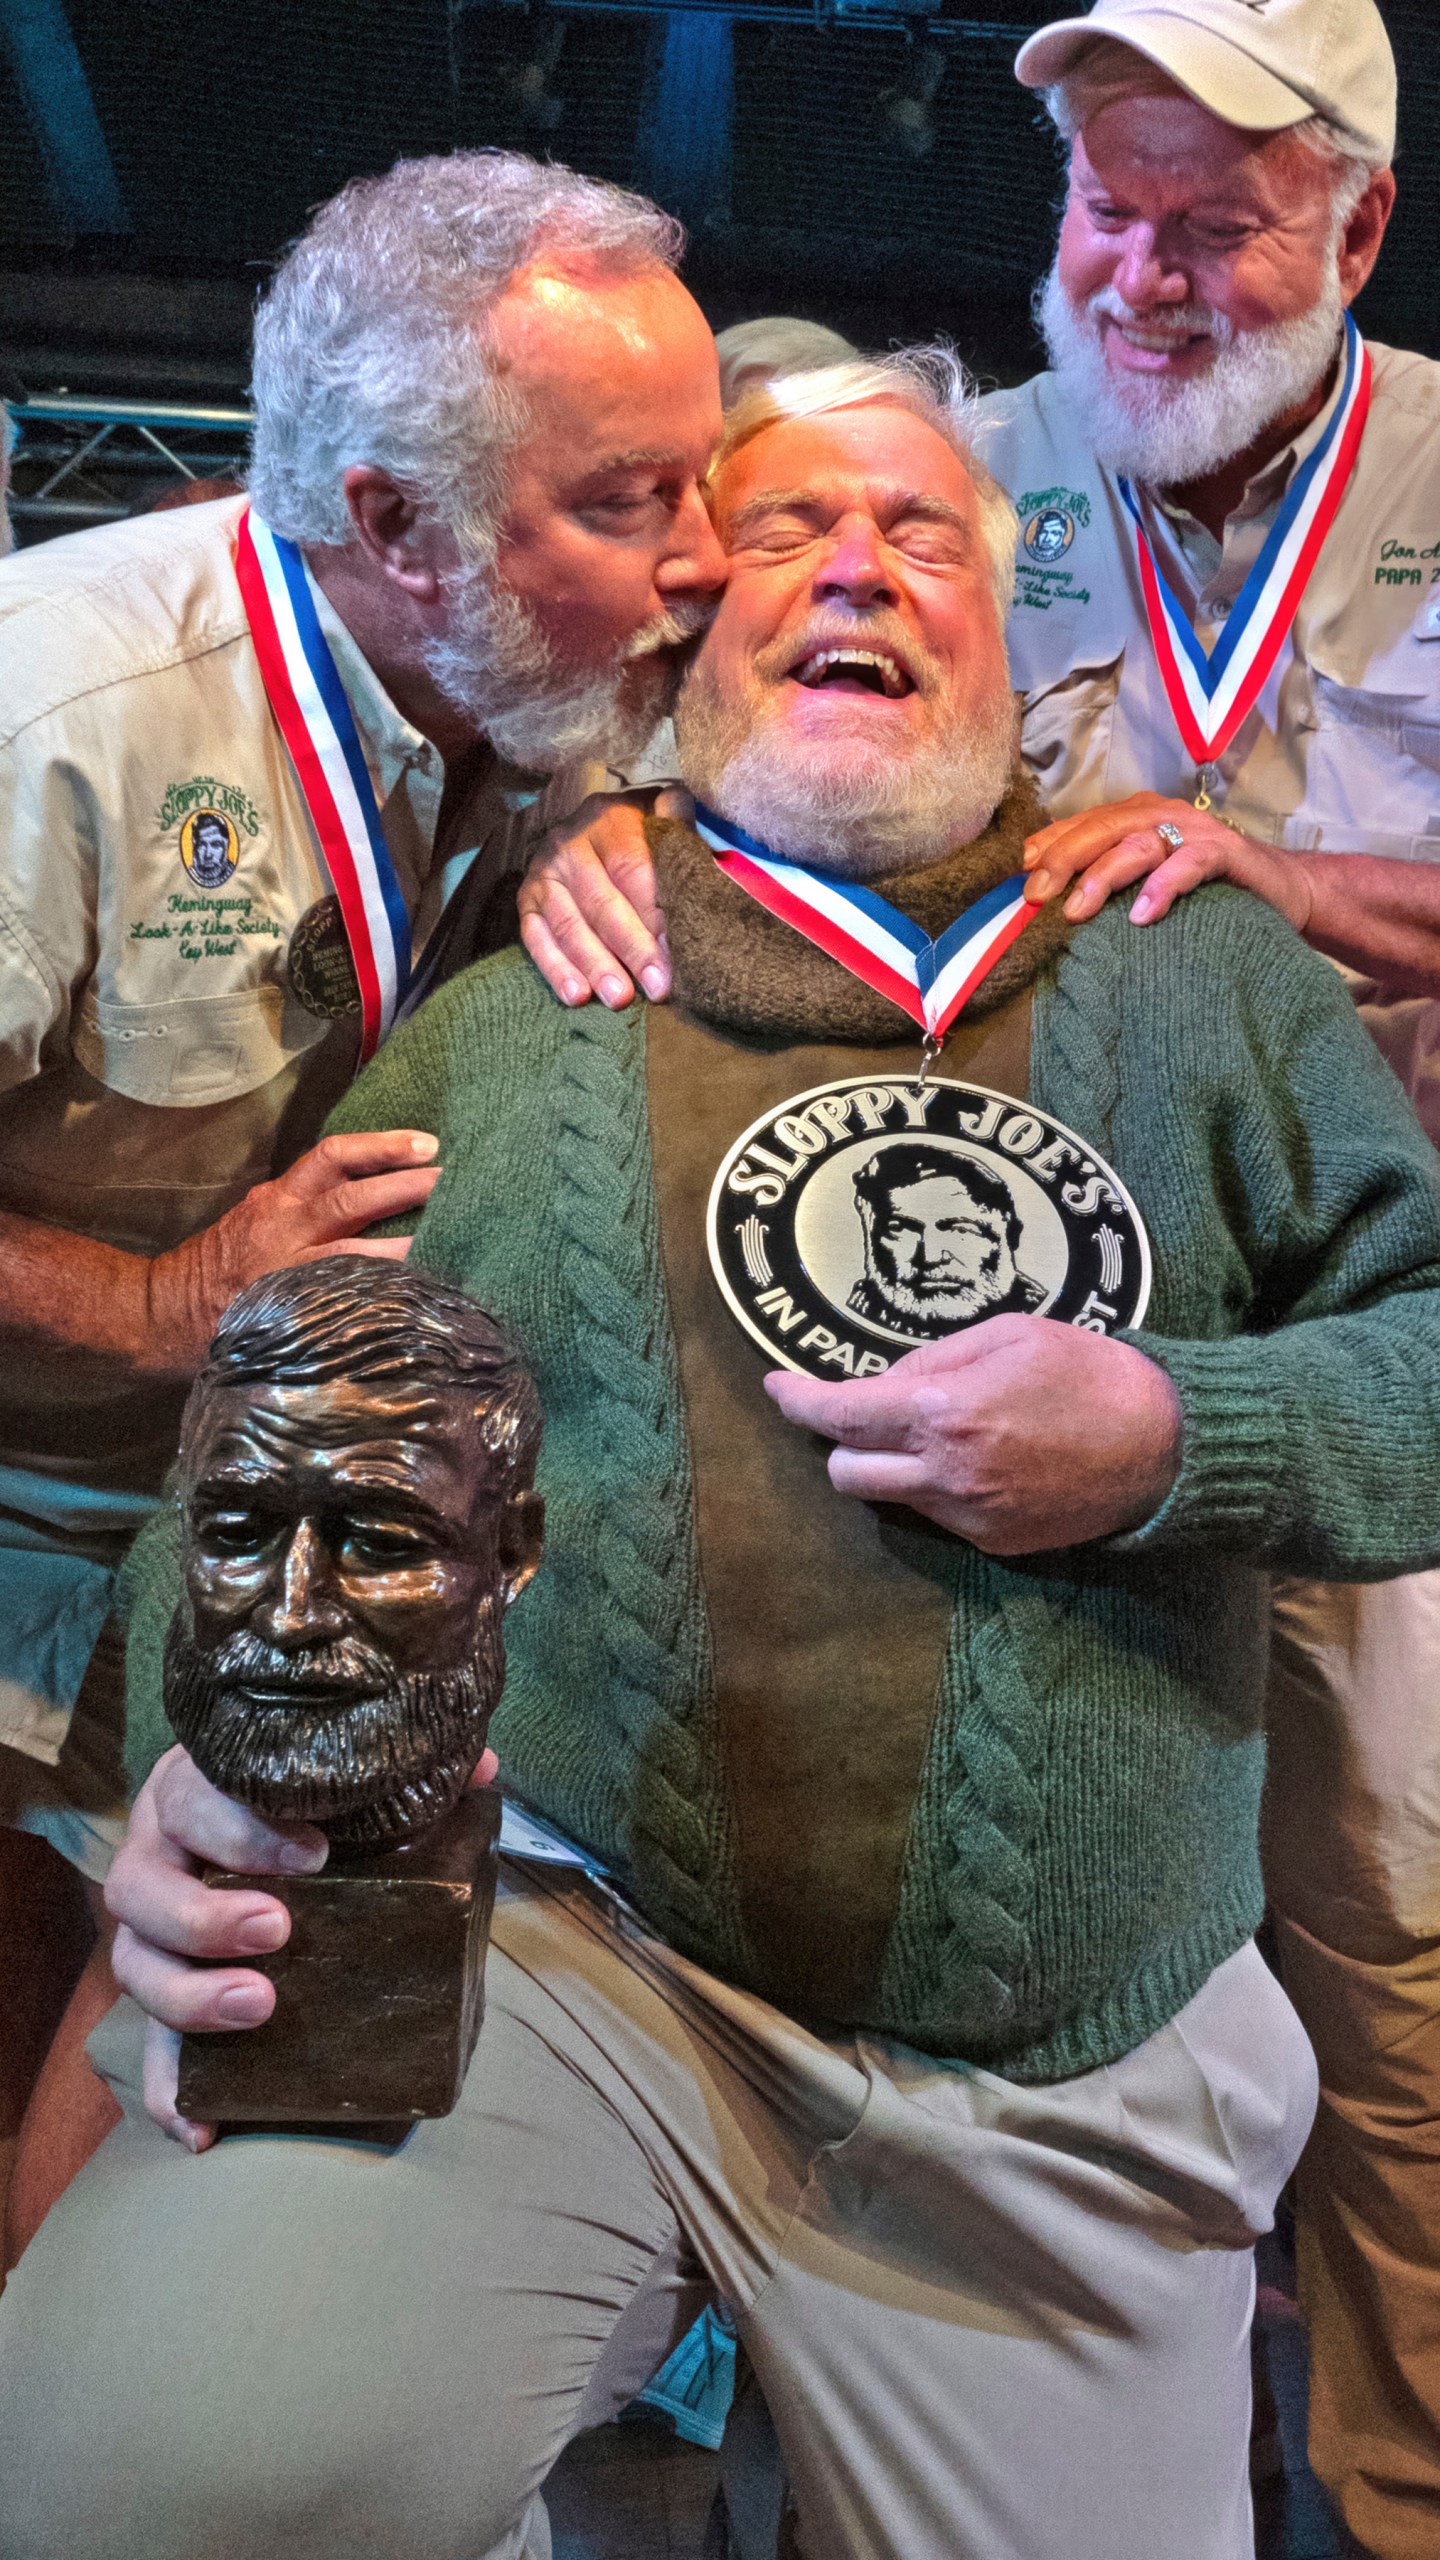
column 357, row 1493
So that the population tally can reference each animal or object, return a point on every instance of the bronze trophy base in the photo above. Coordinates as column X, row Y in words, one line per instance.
column 380, row 1988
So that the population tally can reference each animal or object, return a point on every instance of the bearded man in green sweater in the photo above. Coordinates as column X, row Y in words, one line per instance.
column 904, row 1696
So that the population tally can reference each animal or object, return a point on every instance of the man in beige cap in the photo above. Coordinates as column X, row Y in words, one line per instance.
column 1264, row 66
column 1227, row 617
column 1229, row 187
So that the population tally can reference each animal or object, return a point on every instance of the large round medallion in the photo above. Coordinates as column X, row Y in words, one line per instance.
column 860, row 1219
column 319, row 965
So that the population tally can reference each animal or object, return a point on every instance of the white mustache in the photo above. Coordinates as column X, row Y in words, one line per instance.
column 680, row 622
column 1191, row 319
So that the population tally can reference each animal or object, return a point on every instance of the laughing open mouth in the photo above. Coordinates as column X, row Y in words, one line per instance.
column 854, row 671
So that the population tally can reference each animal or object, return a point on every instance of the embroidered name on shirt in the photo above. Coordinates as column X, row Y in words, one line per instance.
column 208, row 920
column 207, row 928
column 1407, row 564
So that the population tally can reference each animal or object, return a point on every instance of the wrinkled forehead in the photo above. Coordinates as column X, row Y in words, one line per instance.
column 939, row 1195
column 1160, row 139
column 584, row 340
column 873, row 457
column 360, row 1436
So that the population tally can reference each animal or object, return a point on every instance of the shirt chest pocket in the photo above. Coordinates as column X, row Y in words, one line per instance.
column 1372, row 772
column 1068, row 728
column 195, row 1049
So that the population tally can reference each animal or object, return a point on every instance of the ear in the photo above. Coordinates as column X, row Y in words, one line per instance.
column 520, row 1542
column 406, row 545
column 1360, row 243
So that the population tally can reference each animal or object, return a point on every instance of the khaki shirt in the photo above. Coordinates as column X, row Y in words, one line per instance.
column 153, row 1061
column 149, row 1040
column 1341, row 753
column 131, row 703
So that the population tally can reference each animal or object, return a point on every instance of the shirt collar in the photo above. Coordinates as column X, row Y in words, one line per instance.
column 392, row 745
column 1267, row 486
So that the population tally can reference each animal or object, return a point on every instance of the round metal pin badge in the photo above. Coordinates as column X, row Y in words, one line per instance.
column 319, row 965
column 860, row 1219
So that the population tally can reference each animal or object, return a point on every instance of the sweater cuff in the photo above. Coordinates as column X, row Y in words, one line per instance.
column 1230, row 1488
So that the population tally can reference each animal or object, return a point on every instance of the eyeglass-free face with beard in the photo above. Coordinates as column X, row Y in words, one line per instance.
column 351, row 1548
column 604, row 527
column 562, row 642
column 937, row 1257
column 852, row 692
column 1173, row 208
column 1196, row 298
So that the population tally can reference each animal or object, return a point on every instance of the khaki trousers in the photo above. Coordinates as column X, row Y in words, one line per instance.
column 992, row 2322
column 1352, row 1863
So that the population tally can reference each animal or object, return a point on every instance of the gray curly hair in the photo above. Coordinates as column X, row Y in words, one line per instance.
column 371, row 343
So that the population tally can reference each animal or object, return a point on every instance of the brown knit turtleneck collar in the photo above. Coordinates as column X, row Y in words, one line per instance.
column 735, row 964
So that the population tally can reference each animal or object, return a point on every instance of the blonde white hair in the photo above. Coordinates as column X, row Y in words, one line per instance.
column 754, row 351
column 929, row 381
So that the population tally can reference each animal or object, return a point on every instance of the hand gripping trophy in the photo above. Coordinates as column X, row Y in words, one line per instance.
column 358, row 1512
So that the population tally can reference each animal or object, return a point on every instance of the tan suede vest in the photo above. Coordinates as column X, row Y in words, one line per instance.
column 828, row 1617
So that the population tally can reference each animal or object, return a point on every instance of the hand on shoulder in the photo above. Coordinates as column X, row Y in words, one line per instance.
column 1108, row 849
column 589, row 913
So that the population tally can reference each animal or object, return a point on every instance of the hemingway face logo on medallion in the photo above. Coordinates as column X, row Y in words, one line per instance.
column 942, row 1235
column 319, row 965
column 862, row 1218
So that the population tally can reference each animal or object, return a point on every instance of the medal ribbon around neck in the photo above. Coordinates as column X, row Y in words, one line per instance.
column 931, row 981
column 1211, row 695
column 302, row 683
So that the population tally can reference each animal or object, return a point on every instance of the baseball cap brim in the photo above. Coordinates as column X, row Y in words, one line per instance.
column 1218, row 74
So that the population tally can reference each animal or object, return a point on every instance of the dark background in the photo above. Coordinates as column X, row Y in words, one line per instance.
column 878, row 170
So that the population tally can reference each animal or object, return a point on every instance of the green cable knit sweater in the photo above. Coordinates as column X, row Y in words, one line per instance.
column 1081, row 1849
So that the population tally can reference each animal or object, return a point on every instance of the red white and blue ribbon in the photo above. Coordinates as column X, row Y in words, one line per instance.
column 309, row 701
column 929, row 980
column 1211, row 695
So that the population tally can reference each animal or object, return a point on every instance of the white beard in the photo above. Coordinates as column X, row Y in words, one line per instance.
column 851, row 807
column 1166, row 433
column 496, row 665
